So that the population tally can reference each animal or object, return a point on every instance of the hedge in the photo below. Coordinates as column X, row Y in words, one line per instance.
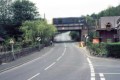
column 105, row 49
column 113, row 50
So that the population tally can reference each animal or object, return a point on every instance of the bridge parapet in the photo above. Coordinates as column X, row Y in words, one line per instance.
column 69, row 28
column 60, row 25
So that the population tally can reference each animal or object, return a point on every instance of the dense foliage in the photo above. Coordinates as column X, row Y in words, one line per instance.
column 104, row 49
column 5, row 16
column 97, row 49
column 75, row 35
column 37, row 28
column 12, row 14
column 20, row 21
column 113, row 49
column 26, row 10
column 92, row 19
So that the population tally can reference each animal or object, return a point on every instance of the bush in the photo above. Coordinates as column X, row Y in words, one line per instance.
column 75, row 35
column 105, row 49
column 97, row 49
column 113, row 50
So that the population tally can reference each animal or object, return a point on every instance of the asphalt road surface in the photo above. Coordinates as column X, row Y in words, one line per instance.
column 65, row 61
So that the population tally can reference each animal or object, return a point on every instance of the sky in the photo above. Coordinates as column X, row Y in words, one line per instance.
column 71, row 8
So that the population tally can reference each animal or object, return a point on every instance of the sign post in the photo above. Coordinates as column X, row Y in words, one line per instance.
column 12, row 48
column 39, row 39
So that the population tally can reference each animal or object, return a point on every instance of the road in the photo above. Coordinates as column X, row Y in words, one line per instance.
column 65, row 61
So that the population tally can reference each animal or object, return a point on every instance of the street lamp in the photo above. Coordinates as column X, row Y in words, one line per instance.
column 39, row 39
column 12, row 48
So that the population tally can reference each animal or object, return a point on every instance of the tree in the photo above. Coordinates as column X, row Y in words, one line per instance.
column 5, row 11
column 22, row 10
column 5, row 16
column 26, row 10
column 90, row 20
column 38, row 28
column 75, row 35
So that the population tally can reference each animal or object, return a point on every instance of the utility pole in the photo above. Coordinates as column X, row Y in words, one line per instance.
column 44, row 16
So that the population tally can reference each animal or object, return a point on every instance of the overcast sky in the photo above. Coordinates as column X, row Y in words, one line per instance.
column 71, row 8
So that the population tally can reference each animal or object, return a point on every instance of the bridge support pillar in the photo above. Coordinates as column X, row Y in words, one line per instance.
column 84, row 33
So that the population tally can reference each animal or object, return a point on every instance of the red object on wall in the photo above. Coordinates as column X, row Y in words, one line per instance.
column 95, row 41
column 105, row 35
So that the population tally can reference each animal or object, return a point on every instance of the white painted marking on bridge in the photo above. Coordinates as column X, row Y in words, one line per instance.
column 34, row 76
column 50, row 66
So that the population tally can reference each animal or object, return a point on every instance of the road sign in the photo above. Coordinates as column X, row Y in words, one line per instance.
column 12, row 41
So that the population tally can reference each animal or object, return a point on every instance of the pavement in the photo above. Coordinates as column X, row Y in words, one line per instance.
column 25, row 59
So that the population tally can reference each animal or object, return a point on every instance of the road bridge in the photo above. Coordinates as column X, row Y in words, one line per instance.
column 71, row 24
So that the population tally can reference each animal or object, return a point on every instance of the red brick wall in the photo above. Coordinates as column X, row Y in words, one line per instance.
column 107, row 35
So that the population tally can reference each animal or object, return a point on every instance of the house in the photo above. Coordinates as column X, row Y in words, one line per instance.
column 107, row 29
column 118, row 28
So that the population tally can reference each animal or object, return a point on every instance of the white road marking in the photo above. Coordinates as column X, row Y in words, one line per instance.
column 62, row 53
column 65, row 45
column 26, row 63
column 91, row 69
column 92, row 78
column 50, row 66
column 34, row 76
column 89, row 61
column 101, row 76
column 111, row 73
column 92, row 74
column 90, row 64
column 59, row 58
